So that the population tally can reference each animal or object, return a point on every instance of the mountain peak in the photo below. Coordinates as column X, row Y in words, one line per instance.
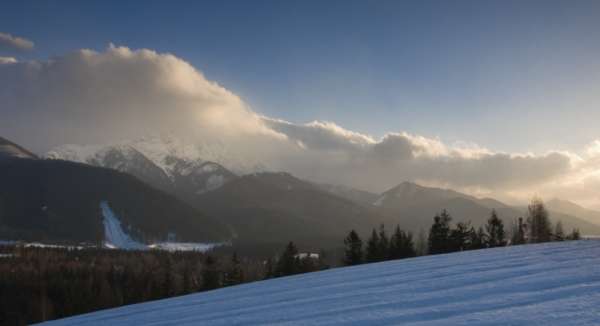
column 9, row 149
column 404, row 186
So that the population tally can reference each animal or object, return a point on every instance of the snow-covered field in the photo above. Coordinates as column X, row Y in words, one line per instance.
column 547, row 284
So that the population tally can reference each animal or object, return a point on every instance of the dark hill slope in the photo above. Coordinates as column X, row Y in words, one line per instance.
column 56, row 200
column 277, row 207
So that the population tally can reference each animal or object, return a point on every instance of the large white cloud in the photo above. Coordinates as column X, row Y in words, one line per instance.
column 88, row 97
column 104, row 97
column 358, row 160
column 10, row 42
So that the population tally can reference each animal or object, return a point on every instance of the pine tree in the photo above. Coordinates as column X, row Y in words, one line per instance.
column 235, row 274
column 559, row 233
column 575, row 235
column 269, row 269
column 384, row 244
column 495, row 231
column 353, row 254
column 540, row 228
column 373, row 244
column 477, row 238
column 211, row 277
column 518, row 232
column 307, row 264
column 289, row 263
column 401, row 245
column 395, row 244
column 460, row 236
column 439, row 234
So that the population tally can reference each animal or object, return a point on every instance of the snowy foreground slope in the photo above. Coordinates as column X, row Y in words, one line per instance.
column 547, row 284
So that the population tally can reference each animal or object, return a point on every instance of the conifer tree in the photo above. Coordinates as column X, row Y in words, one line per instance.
column 477, row 238
column 518, row 232
column 559, row 233
column 401, row 245
column 496, row 236
column 269, row 269
column 288, row 263
column 439, row 234
column 307, row 264
column 540, row 228
column 384, row 244
column 395, row 243
column 460, row 236
column 211, row 277
column 372, row 254
column 235, row 274
column 575, row 235
column 353, row 254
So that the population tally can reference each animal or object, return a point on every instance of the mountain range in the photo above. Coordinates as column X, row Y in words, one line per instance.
column 156, row 177
column 59, row 201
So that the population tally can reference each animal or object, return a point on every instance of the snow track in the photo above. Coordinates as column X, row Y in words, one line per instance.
column 116, row 238
column 114, row 235
column 546, row 284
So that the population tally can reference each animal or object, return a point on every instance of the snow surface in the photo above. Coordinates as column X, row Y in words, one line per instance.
column 547, row 284
column 379, row 200
column 114, row 235
column 116, row 238
column 185, row 246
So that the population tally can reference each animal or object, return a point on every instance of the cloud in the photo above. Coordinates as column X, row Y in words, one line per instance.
column 10, row 42
column 319, row 135
column 330, row 153
column 7, row 60
column 90, row 97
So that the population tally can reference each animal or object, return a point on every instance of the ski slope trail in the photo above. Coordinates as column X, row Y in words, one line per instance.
column 546, row 284
column 114, row 235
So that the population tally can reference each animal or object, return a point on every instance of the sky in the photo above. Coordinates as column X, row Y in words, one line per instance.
column 458, row 82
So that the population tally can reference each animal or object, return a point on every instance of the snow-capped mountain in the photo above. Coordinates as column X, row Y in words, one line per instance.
column 164, row 162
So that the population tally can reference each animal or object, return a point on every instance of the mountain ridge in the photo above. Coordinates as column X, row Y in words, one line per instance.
column 58, row 201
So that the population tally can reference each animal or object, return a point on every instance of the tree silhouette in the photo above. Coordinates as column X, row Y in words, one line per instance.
column 439, row 234
column 540, row 227
column 373, row 245
column 496, row 236
column 353, row 253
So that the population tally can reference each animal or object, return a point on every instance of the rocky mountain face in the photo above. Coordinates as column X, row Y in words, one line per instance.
column 163, row 162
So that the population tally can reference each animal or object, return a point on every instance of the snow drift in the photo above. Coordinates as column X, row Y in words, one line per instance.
column 546, row 284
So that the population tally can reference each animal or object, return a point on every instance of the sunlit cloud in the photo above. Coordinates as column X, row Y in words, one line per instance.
column 10, row 42
column 91, row 97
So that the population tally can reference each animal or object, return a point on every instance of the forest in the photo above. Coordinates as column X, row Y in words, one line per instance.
column 45, row 283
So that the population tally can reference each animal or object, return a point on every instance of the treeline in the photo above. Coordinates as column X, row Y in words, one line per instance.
column 38, row 284
column 291, row 262
column 445, row 238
